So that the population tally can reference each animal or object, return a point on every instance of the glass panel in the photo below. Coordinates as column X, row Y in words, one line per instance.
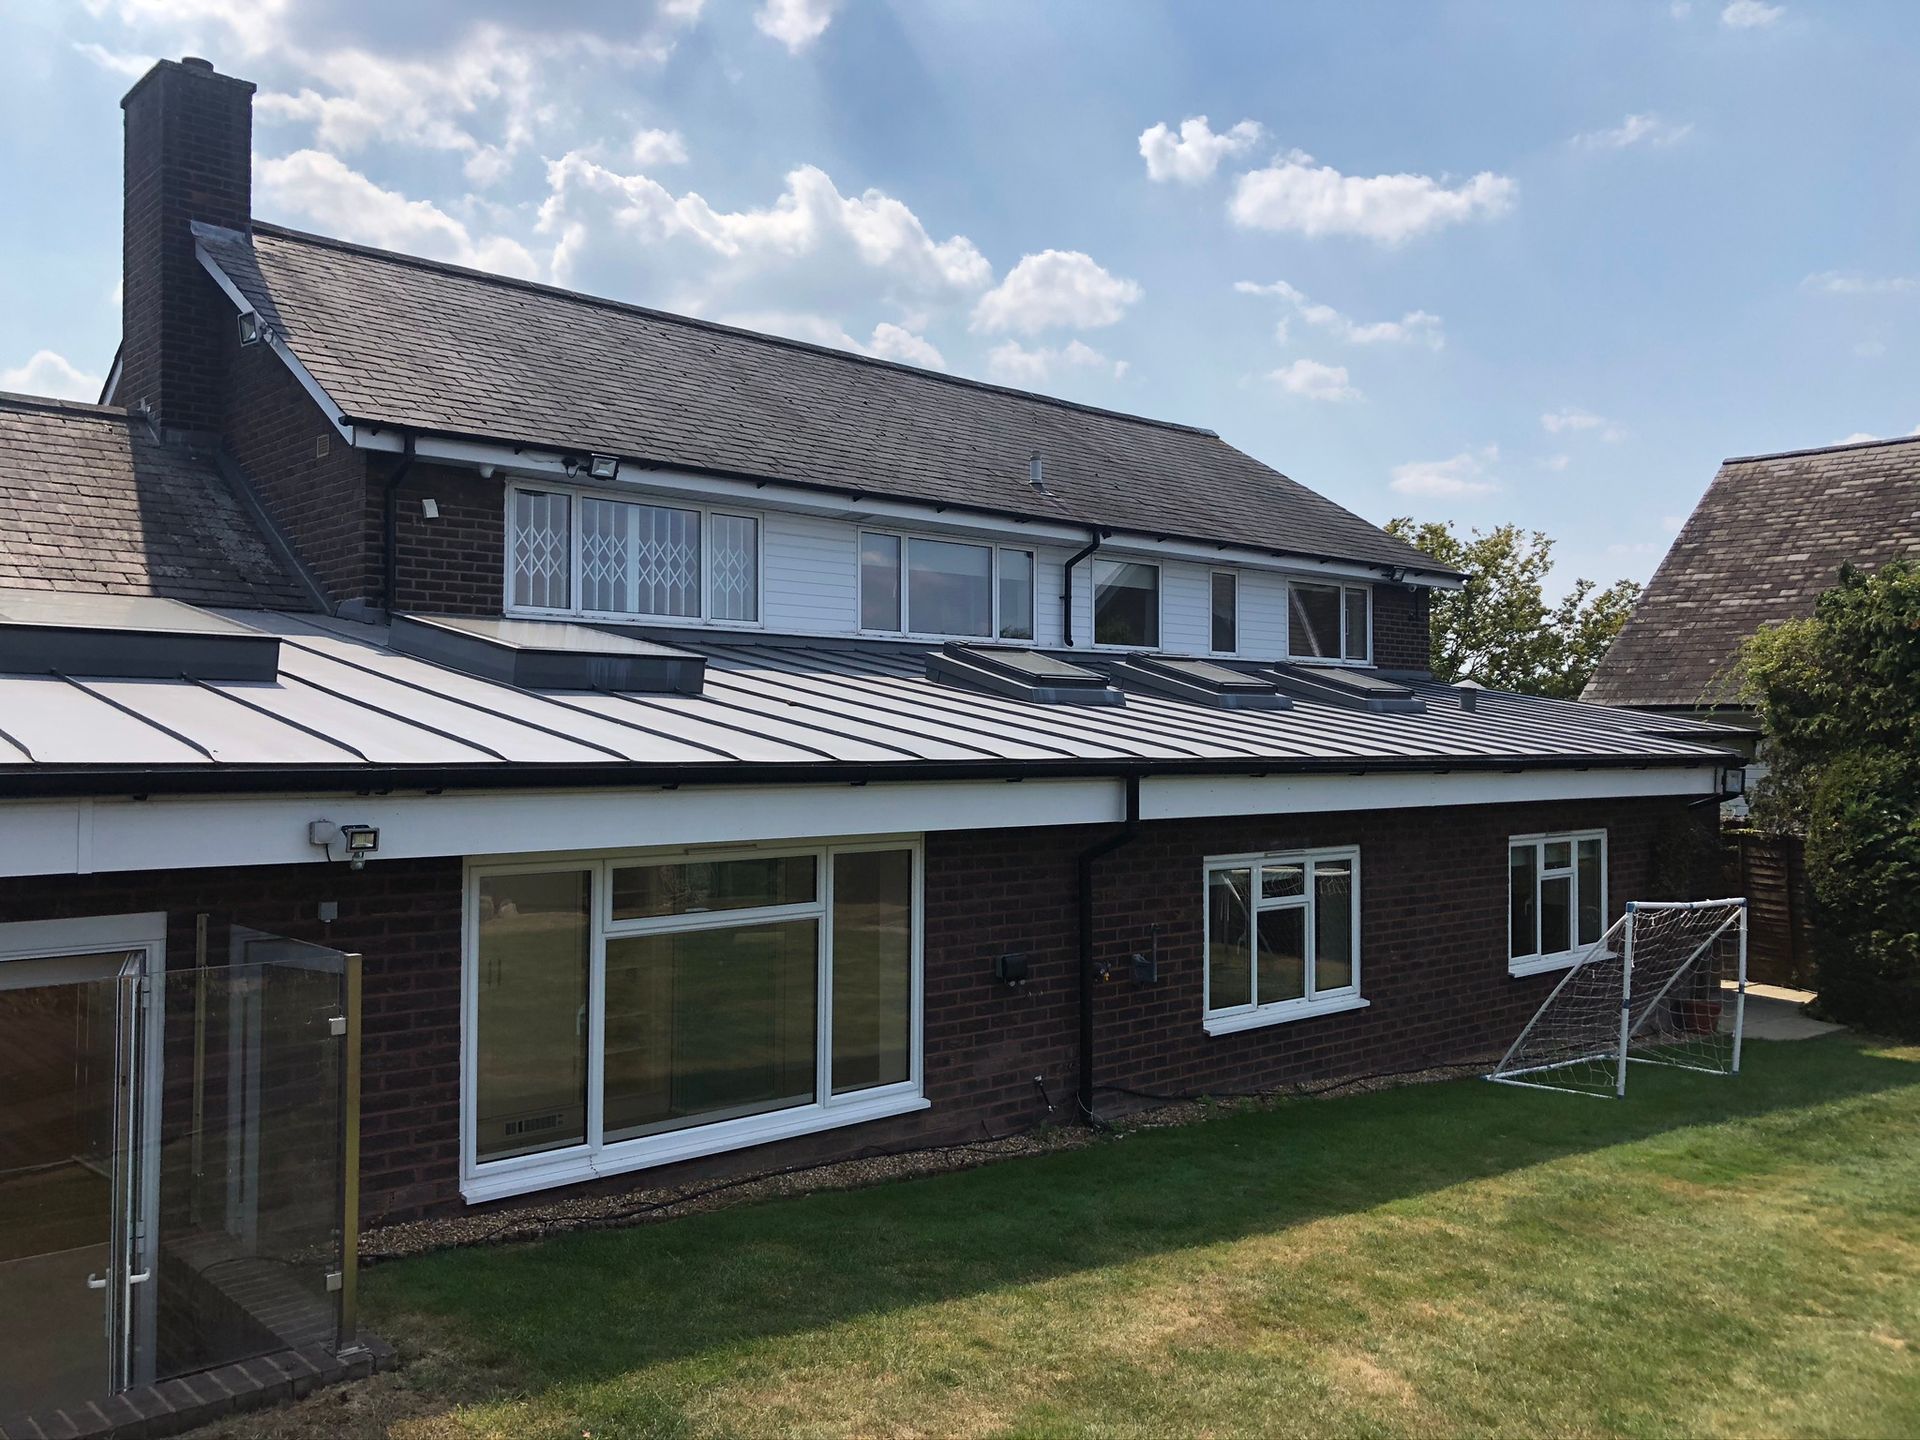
column 736, row 568
column 1523, row 901
column 1016, row 595
column 1126, row 604
column 1556, row 914
column 709, row 1025
column 1558, row 855
column 949, row 588
column 1332, row 925
column 879, row 582
column 1313, row 627
column 542, row 550
column 1226, row 614
column 872, row 968
column 1357, row 625
column 1282, row 957
column 1229, row 938
column 530, row 1065
column 639, row 559
column 1277, row 882
column 1593, row 892
column 692, row 887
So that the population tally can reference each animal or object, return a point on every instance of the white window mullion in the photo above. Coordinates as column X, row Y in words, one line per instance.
column 597, row 901
column 823, row 982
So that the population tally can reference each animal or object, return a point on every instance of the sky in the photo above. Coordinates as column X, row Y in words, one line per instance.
column 1531, row 262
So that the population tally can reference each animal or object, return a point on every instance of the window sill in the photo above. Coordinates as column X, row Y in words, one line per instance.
column 1280, row 1014
column 504, row 1178
column 1545, row 964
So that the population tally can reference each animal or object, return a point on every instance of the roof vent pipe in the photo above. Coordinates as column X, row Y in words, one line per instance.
column 1469, row 693
column 1037, row 472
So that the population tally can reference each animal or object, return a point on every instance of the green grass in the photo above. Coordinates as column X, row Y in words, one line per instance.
column 1709, row 1257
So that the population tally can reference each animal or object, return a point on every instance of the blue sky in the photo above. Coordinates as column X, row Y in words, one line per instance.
column 1487, row 261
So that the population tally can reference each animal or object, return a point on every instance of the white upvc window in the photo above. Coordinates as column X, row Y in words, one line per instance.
column 1329, row 622
column 1126, row 604
column 625, row 1011
column 1223, row 612
column 1556, row 898
column 939, row 587
column 605, row 556
column 1282, row 937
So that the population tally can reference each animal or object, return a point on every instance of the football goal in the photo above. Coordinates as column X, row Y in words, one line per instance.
column 1666, row 985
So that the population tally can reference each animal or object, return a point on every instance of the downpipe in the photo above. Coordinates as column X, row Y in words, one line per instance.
column 1129, row 828
column 1066, row 585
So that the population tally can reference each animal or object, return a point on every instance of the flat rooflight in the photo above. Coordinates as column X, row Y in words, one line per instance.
column 1202, row 681
column 1351, row 689
column 1020, row 675
column 548, row 654
column 127, row 637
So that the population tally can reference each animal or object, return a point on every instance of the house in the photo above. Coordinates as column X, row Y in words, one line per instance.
column 464, row 743
column 1767, row 538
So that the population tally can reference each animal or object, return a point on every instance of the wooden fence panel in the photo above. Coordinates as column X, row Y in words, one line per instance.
column 1771, row 871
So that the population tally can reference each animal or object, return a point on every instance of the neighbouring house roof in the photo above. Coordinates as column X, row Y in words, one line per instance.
column 403, row 342
column 1768, row 537
column 92, row 502
column 347, row 706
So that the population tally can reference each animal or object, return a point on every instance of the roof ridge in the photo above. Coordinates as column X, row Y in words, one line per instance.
column 20, row 400
column 1838, row 447
column 714, row 326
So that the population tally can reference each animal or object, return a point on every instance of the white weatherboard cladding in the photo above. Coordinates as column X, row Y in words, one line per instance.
column 811, row 565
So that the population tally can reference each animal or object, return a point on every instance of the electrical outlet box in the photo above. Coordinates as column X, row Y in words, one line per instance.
column 1011, row 969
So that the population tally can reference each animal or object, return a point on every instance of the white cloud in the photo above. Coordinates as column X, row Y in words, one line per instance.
column 1314, row 381
column 1672, row 523
column 1194, row 152
column 1846, row 282
column 896, row 342
column 1647, row 129
column 115, row 62
column 1571, row 420
column 49, row 373
column 888, row 342
column 1012, row 363
column 1414, row 327
column 1557, row 462
column 324, row 191
column 658, row 147
column 1294, row 194
column 1856, row 438
column 796, row 24
column 1056, row 288
column 1454, row 478
column 254, row 25
column 1750, row 14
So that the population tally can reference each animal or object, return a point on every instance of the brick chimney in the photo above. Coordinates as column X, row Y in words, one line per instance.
column 189, row 156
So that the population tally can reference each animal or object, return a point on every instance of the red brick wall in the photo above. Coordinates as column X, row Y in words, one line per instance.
column 1400, row 636
column 452, row 565
column 1433, row 962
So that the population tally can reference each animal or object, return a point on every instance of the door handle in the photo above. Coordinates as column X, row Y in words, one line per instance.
column 141, row 1278
column 96, row 1282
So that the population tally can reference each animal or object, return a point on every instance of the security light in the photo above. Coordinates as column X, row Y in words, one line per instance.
column 605, row 467
column 249, row 328
column 361, row 839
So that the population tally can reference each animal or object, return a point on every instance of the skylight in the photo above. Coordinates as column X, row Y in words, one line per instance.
column 127, row 637
column 1020, row 675
column 1202, row 681
column 548, row 654
column 1351, row 689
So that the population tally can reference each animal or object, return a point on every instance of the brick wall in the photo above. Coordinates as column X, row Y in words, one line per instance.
column 1400, row 635
column 1433, row 962
column 452, row 565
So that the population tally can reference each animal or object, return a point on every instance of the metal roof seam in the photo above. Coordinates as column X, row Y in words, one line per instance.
column 304, row 729
column 714, row 677
column 396, row 716
column 729, row 725
column 131, row 713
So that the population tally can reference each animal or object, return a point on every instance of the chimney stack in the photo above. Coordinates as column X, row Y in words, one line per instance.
column 189, row 156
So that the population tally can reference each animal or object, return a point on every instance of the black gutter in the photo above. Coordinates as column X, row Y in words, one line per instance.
column 390, row 528
column 1093, row 852
column 47, row 781
column 1066, row 586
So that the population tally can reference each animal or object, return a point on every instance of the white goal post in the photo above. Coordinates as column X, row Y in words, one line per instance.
column 1655, row 989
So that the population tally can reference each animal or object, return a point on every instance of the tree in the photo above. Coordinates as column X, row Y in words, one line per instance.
column 1498, row 629
column 1839, row 697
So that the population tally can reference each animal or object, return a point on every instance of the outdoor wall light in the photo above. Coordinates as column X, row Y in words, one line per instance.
column 1011, row 969
column 249, row 328
column 604, row 467
column 358, row 841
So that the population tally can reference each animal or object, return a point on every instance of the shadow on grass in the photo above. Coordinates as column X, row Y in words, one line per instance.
column 584, row 1307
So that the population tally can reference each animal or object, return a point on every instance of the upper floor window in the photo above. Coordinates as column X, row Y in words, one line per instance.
column 1282, row 937
column 1126, row 604
column 601, row 556
column 1225, row 623
column 918, row 585
column 1556, row 898
column 1329, row 622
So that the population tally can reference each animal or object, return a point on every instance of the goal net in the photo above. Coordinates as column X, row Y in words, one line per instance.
column 1666, row 985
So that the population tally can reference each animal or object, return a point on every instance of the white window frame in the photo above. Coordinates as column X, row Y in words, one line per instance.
column 907, row 631
column 575, row 610
column 482, row 1181
column 1234, row 576
column 1339, row 587
column 1159, row 603
column 1537, row 963
column 1234, row 1018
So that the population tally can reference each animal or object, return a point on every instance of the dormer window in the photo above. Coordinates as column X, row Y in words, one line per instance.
column 620, row 559
column 919, row 585
column 1329, row 622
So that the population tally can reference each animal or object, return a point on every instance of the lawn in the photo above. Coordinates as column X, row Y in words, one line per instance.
column 1709, row 1257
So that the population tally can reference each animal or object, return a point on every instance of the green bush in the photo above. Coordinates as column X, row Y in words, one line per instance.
column 1840, row 698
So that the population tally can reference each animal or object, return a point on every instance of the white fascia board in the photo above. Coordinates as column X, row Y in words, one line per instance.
column 184, row 832
column 277, row 342
column 547, row 464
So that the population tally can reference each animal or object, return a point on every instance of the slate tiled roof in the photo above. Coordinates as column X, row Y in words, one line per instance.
column 407, row 342
column 1770, row 534
column 90, row 501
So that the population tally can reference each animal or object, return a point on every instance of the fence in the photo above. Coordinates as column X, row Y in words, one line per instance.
column 1771, row 871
